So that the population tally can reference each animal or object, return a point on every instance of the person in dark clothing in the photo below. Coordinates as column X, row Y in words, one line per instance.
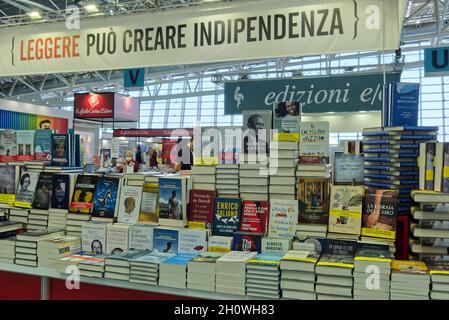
column 138, row 157
column 186, row 163
column 153, row 159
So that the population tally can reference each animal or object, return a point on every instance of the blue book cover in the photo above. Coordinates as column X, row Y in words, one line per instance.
column 246, row 241
column 376, row 142
column 227, row 216
column 165, row 240
column 388, row 177
column 180, row 259
column 404, row 102
column 390, row 146
column 267, row 258
column 170, row 198
column 412, row 128
column 76, row 161
column 42, row 144
column 105, row 197
column 389, row 150
column 418, row 137
column 60, row 151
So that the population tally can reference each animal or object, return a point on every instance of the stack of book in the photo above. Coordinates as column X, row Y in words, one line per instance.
column 372, row 274
column 334, row 277
column 203, row 177
column 431, row 226
column 19, row 215
column 391, row 159
column 134, row 179
column 410, row 280
column 37, row 219
column 283, row 162
column 93, row 267
column 66, row 264
column 231, row 272
column 145, row 269
column 441, row 163
column 51, row 250
column 35, row 166
column 173, row 271
column 263, row 276
column 298, row 275
column 57, row 219
column 75, row 223
column 7, row 250
column 201, row 271
column 118, row 266
column 439, row 275
column 254, row 181
column 27, row 243
column 227, row 180
column 315, row 170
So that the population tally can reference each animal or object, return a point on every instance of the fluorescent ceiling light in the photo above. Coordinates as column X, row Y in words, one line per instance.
column 34, row 14
column 91, row 7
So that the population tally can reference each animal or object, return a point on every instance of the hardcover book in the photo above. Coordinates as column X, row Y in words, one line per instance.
column 192, row 241
column 247, row 241
column 227, row 214
column 94, row 237
column 60, row 196
column 379, row 216
column 42, row 195
column 345, row 212
column 149, row 208
column 257, row 125
column 201, row 213
column 287, row 116
column 60, row 150
column 255, row 216
column 141, row 237
column 42, row 144
column 283, row 218
column 105, row 197
column 26, row 188
column 83, row 193
column 165, row 240
column 8, row 145
column 314, row 142
column 401, row 104
column 25, row 145
column 348, row 168
column 8, row 180
column 313, row 196
column 173, row 199
column 129, row 205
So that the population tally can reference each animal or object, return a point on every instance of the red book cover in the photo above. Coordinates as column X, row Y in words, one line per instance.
column 255, row 216
column 201, row 214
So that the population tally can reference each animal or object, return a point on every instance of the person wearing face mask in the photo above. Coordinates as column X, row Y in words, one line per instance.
column 129, row 162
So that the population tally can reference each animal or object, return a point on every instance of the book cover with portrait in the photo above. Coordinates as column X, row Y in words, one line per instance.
column 60, row 150
column 93, row 237
column 379, row 216
column 105, row 197
column 26, row 188
column 42, row 195
column 83, row 194
column 8, row 145
column 165, row 240
column 286, row 119
column 173, row 198
column 8, row 179
column 257, row 125
column 129, row 205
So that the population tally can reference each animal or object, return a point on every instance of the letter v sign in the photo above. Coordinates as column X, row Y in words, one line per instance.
column 134, row 78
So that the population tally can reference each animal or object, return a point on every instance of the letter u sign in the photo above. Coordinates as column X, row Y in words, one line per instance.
column 436, row 62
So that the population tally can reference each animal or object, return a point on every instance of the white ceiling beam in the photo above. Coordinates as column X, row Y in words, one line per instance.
column 36, row 5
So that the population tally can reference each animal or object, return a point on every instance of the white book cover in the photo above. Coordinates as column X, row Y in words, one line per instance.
column 314, row 142
column 141, row 237
column 129, row 204
column 283, row 218
column 25, row 145
column 94, row 237
column 237, row 256
column 276, row 245
column 192, row 241
column 220, row 244
column 117, row 238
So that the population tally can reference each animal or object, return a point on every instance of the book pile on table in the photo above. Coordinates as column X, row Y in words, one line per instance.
column 53, row 249
column 298, row 274
column 231, row 272
column 410, row 280
column 313, row 170
column 283, row 162
column 367, row 285
column 254, row 181
column 263, row 276
column 37, row 219
column 7, row 250
column 391, row 159
column 134, row 179
column 334, row 277
column 201, row 271
column 27, row 243
column 93, row 267
column 57, row 219
column 439, row 275
column 75, row 223
column 227, row 180
column 431, row 226
column 145, row 269
column 65, row 265
column 19, row 215
column 118, row 266
column 173, row 271
column 203, row 177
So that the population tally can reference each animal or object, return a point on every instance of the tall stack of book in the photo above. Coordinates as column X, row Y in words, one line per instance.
column 134, row 179
column 27, row 243
column 283, row 162
column 334, row 277
column 19, row 215
column 227, row 180
column 57, row 220
column 35, row 166
column 203, row 177
column 410, row 280
column 201, row 271
column 62, row 190
column 173, row 271
column 391, row 159
column 254, row 181
column 37, row 219
column 439, row 275
column 231, row 272
column 93, row 267
column 145, row 269
column 7, row 249
column 367, row 286
column 298, row 274
column 51, row 250
column 75, row 223
column 118, row 266
column 263, row 276
column 431, row 226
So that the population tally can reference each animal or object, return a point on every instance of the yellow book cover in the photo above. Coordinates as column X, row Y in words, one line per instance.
column 287, row 116
column 149, row 208
column 8, row 199
column 406, row 266
column 302, row 256
column 334, row 260
column 345, row 214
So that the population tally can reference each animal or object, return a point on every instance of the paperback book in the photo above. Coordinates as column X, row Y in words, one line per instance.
column 257, row 125
column 345, row 212
column 313, row 196
column 165, row 240
column 283, row 218
column 201, row 213
column 173, row 199
column 42, row 144
column 42, row 195
column 149, row 208
column 129, row 205
column 8, row 145
column 287, row 116
column 25, row 145
column 105, row 197
column 314, row 142
column 255, row 216
column 192, row 241
column 82, row 199
column 227, row 214
column 60, row 151
column 8, row 178
column 348, row 168
column 94, row 237
column 26, row 188
column 60, row 196
column 247, row 241
column 379, row 216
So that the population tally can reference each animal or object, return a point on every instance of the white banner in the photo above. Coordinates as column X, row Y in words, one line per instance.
column 242, row 30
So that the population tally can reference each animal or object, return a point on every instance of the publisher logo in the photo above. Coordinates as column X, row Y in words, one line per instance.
column 72, row 281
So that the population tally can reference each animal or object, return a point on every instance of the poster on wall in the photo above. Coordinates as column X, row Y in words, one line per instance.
column 26, row 121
